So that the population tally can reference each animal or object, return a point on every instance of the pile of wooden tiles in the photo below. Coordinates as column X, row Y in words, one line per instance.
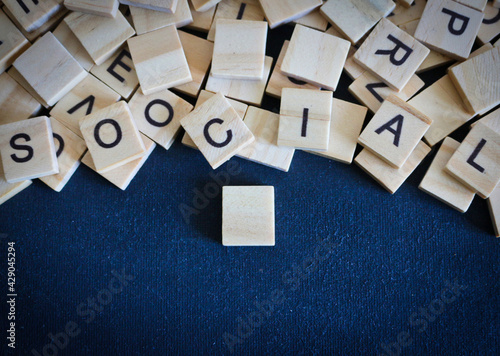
column 98, row 82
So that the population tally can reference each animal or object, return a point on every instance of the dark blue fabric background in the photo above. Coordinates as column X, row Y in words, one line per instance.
column 388, row 257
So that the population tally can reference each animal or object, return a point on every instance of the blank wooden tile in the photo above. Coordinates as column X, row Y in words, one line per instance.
column 27, row 149
column 354, row 18
column 12, row 42
column 389, row 177
column 449, row 27
column 112, row 137
column 264, row 126
column 280, row 12
column 88, row 96
column 476, row 163
column 199, row 56
column 391, row 54
column 217, row 130
column 491, row 120
column 100, row 36
column 49, row 69
column 159, row 60
column 394, row 131
column 168, row 6
column 314, row 20
column 278, row 80
column 484, row 48
column 204, row 5
column 315, row 57
column 32, row 14
column 107, row 8
column 158, row 115
column 238, row 106
column 248, row 216
column 118, row 73
column 441, row 102
column 73, row 46
column 405, row 3
column 16, row 104
column 249, row 10
column 123, row 175
column 305, row 118
column 345, row 127
column 239, row 49
column 352, row 69
column 402, row 15
column 494, row 207
column 149, row 20
column 475, row 4
column 490, row 27
column 202, row 21
column 9, row 190
column 478, row 81
column 371, row 91
column 248, row 91
column 69, row 151
column 441, row 185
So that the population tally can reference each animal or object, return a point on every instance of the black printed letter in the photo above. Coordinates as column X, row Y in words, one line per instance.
column 15, row 146
column 388, row 126
column 456, row 16
column 392, row 52
column 98, row 137
column 206, row 133
column 154, row 122
column 474, row 155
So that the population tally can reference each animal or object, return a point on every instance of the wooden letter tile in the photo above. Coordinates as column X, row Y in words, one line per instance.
column 12, row 42
column 16, row 104
column 239, row 49
column 107, row 8
column 476, row 163
column 30, row 14
column 264, row 150
column 112, row 137
column 494, row 207
column 8, row 190
column 88, row 96
column 478, row 81
column 354, row 18
column 449, row 27
column 441, row 185
column 248, row 216
column 394, row 131
column 123, row 175
column 391, row 54
column 149, row 20
column 280, row 12
column 159, row 60
column 100, row 36
column 217, row 130
column 49, row 69
column 27, row 149
column 157, row 5
column 490, row 27
column 204, row 5
column 305, row 118
column 389, row 177
column 158, row 115
column 345, row 127
column 69, row 150
column 315, row 57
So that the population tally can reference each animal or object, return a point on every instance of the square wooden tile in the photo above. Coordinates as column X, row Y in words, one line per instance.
column 239, row 49
column 9, row 190
column 123, row 175
column 150, row 20
column 169, row 6
column 16, row 104
column 73, row 46
column 118, row 73
column 494, row 207
column 280, row 12
column 315, row 57
column 305, row 118
column 248, row 216
column 88, row 96
column 394, row 131
column 100, row 36
column 391, row 54
column 159, row 60
column 112, row 137
column 265, row 150
column 49, row 69
column 449, row 27
column 490, row 27
column 278, row 80
column 158, row 115
column 217, row 130
column 12, row 42
column 478, row 81
column 476, row 163
column 248, row 91
column 389, row 177
column 107, row 8
column 354, row 18
column 27, row 149
column 70, row 148
column 31, row 15
column 345, row 127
